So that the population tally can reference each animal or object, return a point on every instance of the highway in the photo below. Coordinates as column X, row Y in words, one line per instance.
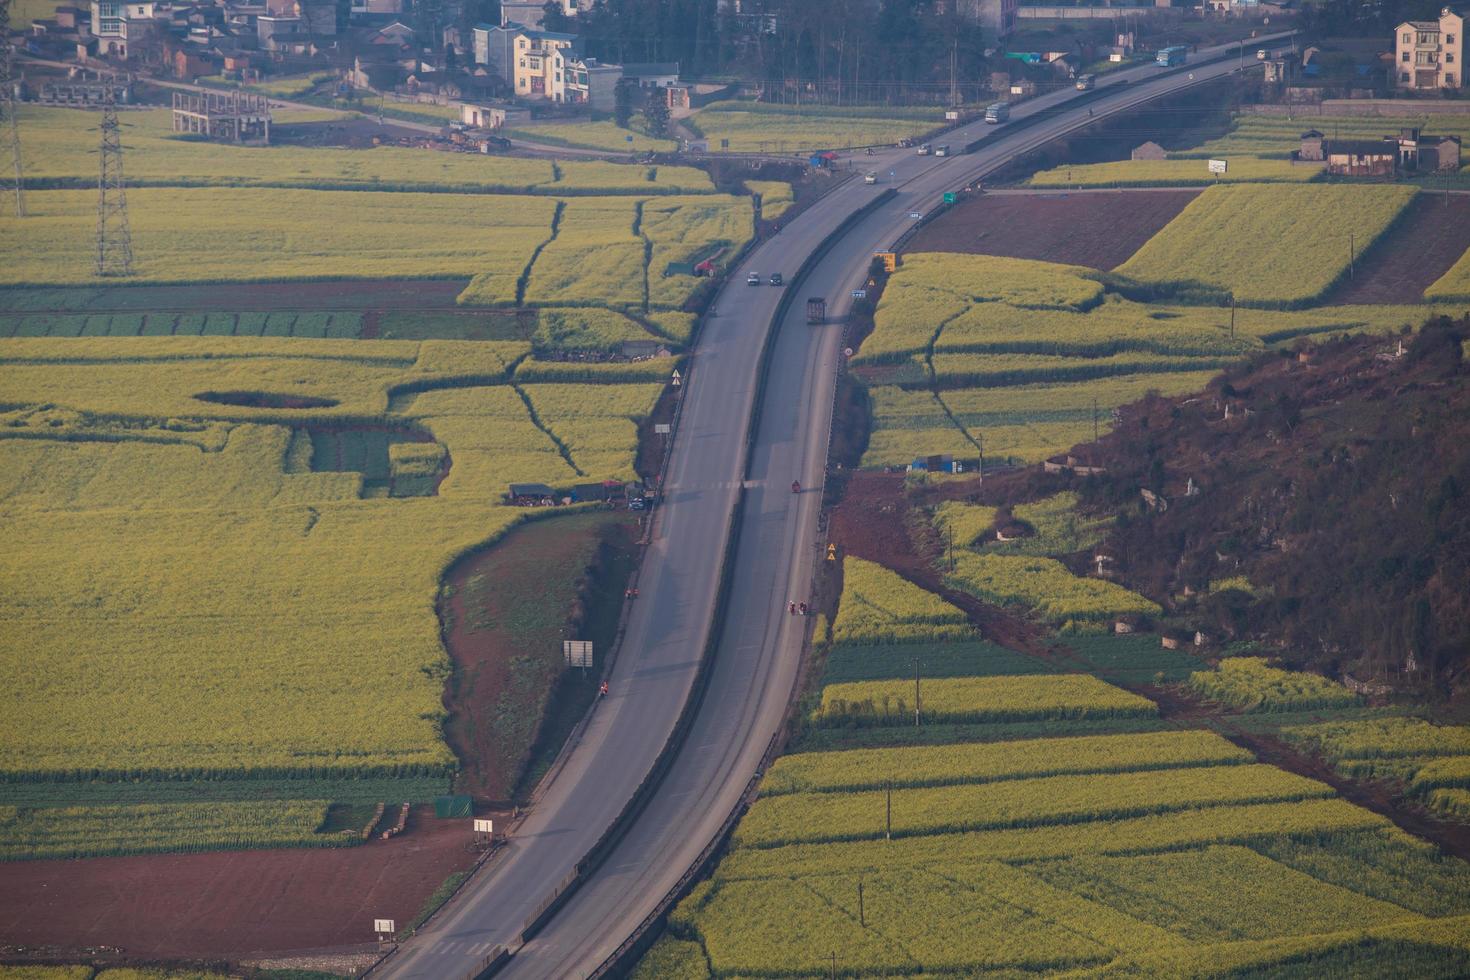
column 758, row 652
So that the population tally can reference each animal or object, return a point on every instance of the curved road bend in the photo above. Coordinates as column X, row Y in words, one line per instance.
column 758, row 652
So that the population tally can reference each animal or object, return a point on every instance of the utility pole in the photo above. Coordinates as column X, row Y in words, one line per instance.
column 888, row 822
column 862, row 917
column 916, row 692
column 114, row 239
column 953, row 59
column 1094, row 420
column 1232, row 314
column 10, row 138
column 1352, row 254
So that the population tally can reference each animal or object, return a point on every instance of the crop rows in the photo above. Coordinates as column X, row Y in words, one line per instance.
column 1174, row 173
column 61, row 145
column 977, row 699
column 754, row 127
column 1248, row 684
column 317, row 325
column 1294, row 243
column 941, row 765
column 1059, row 529
column 1163, row 831
column 952, row 658
column 878, row 606
column 796, row 818
column 69, row 832
column 1047, row 586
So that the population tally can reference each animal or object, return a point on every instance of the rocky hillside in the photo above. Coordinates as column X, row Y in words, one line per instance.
column 1315, row 500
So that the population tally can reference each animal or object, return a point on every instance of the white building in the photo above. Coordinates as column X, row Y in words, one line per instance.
column 1429, row 55
column 110, row 25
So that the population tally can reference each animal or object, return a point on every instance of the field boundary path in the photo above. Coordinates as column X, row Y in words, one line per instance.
column 758, row 653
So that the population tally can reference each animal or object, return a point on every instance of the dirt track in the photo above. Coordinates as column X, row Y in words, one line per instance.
column 1430, row 237
column 1098, row 230
column 231, row 903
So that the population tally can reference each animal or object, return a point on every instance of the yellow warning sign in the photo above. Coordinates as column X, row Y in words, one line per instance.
column 831, row 552
column 890, row 260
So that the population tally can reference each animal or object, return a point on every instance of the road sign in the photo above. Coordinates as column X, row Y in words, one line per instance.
column 676, row 381
column 384, row 927
column 890, row 260
column 847, row 352
column 577, row 653
column 484, row 826
column 629, row 138
column 831, row 552
column 916, row 215
column 949, row 197
column 662, row 428
column 1219, row 166
column 859, row 294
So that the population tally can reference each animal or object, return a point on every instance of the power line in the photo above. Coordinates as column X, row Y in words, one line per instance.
column 114, row 238
column 12, row 187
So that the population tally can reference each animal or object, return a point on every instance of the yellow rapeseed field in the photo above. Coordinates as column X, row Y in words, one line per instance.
column 1270, row 245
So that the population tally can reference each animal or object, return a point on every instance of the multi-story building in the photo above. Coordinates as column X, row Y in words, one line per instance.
column 1429, row 55
column 539, row 64
column 110, row 20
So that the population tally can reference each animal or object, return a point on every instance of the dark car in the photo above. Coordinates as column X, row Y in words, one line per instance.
column 776, row 279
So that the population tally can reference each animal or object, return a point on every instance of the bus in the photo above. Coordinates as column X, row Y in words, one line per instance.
column 1168, row 57
column 998, row 113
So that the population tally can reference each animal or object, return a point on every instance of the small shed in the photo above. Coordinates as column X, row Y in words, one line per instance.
column 1311, row 148
column 1149, row 151
column 530, row 493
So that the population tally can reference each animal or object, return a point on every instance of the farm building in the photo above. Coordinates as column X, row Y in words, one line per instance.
column 1311, row 148
column 1360, row 158
column 1418, row 152
column 530, row 494
column 942, row 463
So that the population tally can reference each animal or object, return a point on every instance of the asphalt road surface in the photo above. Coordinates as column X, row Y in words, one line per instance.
column 758, row 653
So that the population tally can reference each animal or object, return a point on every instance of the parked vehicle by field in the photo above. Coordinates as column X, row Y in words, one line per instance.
column 816, row 309
column 1170, row 56
column 997, row 112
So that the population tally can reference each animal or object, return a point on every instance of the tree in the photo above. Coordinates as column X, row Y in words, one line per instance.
column 623, row 104
column 656, row 111
column 554, row 17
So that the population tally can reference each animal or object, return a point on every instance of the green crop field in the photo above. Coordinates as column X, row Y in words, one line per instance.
column 1454, row 285
column 1248, row 684
column 61, row 145
column 116, row 471
column 1277, row 136
column 1018, row 356
column 1289, row 244
column 593, row 135
column 879, row 606
column 1045, row 585
column 1175, row 173
column 753, row 127
column 977, row 699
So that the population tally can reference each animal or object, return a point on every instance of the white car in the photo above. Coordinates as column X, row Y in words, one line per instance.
column 924, row 150
column 1262, row 55
column 871, row 177
column 754, row 279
